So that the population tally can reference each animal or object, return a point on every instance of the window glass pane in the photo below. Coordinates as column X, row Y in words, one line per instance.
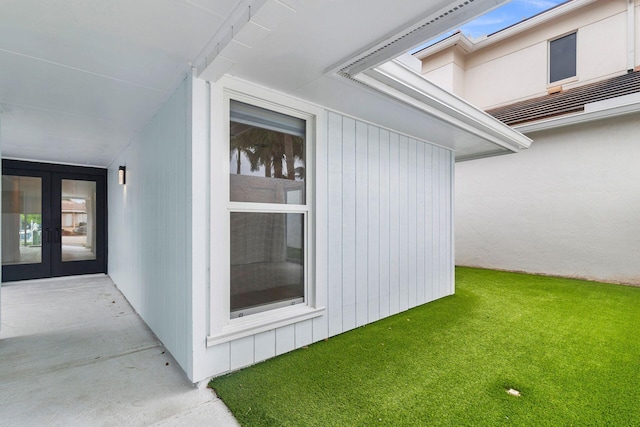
column 267, row 261
column 21, row 220
column 267, row 156
column 78, row 219
column 562, row 58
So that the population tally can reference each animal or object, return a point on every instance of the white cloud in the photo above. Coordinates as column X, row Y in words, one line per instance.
column 486, row 20
column 540, row 4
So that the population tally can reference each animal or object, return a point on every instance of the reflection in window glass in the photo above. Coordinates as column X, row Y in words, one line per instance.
column 78, row 217
column 21, row 220
column 267, row 155
column 267, row 261
column 562, row 58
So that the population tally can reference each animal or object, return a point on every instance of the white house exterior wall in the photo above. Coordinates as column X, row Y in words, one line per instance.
column 387, row 241
column 567, row 206
column 150, row 225
column 385, row 203
column 389, row 223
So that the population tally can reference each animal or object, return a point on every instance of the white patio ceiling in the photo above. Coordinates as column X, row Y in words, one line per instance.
column 79, row 78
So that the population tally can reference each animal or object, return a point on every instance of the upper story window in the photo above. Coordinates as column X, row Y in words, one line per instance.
column 562, row 58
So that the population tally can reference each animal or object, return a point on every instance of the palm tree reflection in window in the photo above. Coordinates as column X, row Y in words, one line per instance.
column 265, row 153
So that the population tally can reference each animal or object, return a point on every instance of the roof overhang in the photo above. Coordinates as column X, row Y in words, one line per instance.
column 76, row 84
column 436, row 115
column 401, row 82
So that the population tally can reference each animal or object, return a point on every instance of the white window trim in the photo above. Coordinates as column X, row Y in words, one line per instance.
column 221, row 327
column 570, row 79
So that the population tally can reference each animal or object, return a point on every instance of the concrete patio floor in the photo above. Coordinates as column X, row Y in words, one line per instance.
column 73, row 352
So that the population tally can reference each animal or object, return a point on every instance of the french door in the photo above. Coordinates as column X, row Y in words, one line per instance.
column 53, row 220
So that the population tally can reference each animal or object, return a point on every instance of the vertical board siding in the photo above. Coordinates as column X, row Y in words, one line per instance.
column 150, row 224
column 392, row 206
column 435, row 223
column 421, row 282
column 303, row 333
column 389, row 243
column 348, row 224
column 394, row 220
column 334, row 226
column 403, row 207
column 449, row 207
column 361, row 223
column 384, row 236
column 412, row 252
column 373, row 224
column 285, row 339
column 430, row 293
column 242, row 352
column 265, row 346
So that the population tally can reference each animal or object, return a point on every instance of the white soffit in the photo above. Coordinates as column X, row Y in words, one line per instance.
column 79, row 79
column 239, row 42
column 250, row 23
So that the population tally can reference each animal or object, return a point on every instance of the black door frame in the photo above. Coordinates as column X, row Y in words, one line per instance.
column 52, row 176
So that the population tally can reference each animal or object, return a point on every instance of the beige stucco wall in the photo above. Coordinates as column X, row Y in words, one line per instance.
column 568, row 206
column 516, row 68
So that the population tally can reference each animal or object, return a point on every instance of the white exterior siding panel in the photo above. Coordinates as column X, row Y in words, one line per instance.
column 421, row 281
column 403, row 208
column 379, row 246
column 384, row 233
column 361, row 224
column 394, row 221
column 285, row 339
column 334, row 224
column 373, row 222
column 242, row 352
column 348, row 224
column 412, row 223
column 265, row 346
column 407, row 247
column 150, row 223
column 303, row 333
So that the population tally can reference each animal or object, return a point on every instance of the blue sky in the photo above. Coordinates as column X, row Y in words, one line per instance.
column 502, row 17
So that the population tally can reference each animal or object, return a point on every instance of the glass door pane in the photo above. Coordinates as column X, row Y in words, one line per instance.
column 21, row 220
column 78, row 220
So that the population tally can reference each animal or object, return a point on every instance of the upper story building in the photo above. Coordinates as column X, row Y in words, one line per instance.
column 578, row 42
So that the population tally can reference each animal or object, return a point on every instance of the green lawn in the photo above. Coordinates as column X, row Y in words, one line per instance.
column 572, row 348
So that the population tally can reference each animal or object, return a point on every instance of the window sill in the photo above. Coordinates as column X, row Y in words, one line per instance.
column 563, row 82
column 262, row 322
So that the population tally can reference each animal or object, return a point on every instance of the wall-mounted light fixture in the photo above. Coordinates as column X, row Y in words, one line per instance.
column 122, row 175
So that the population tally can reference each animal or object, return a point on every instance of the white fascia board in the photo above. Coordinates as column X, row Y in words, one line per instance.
column 398, row 81
column 609, row 108
column 457, row 39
